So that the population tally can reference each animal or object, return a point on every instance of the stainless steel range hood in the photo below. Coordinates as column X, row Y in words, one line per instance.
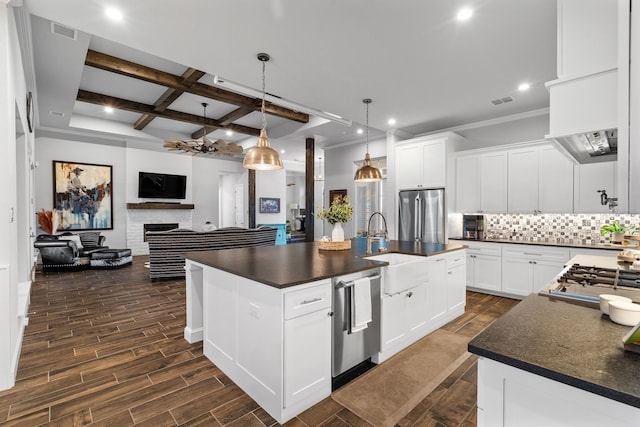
column 590, row 147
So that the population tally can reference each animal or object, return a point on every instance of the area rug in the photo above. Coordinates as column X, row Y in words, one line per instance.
column 388, row 392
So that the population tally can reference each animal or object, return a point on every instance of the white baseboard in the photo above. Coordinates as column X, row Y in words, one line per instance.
column 193, row 335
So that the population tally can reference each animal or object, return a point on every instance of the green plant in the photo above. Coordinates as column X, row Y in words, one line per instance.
column 339, row 211
column 616, row 227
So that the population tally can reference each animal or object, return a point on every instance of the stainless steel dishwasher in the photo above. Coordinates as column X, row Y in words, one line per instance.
column 352, row 348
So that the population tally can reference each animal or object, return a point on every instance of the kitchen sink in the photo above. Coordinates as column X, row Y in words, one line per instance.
column 403, row 272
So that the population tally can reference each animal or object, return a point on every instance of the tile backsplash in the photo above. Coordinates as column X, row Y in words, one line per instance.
column 559, row 228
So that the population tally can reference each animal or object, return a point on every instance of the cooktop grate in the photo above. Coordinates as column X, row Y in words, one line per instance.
column 594, row 276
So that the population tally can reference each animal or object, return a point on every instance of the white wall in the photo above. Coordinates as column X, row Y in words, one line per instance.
column 522, row 130
column 271, row 184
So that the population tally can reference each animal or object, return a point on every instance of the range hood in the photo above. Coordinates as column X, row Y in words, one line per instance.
column 590, row 147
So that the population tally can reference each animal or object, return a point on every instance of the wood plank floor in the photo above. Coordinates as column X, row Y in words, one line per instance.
column 106, row 348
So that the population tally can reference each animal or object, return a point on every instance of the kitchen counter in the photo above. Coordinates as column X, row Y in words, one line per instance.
column 567, row 343
column 289, row 265
column 549, row 242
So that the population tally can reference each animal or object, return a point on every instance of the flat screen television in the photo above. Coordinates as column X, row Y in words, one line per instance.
column 161, row 186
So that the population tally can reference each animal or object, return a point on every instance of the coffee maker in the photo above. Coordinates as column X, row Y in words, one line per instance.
column 473, row 227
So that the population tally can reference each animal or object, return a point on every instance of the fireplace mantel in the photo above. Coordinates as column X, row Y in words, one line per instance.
column 159, row 205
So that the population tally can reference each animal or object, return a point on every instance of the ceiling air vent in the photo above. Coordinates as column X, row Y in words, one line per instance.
column 501, row 100
column 61, row 30
column 56, row 113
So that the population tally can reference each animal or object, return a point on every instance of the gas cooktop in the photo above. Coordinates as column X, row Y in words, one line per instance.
column 586, row 283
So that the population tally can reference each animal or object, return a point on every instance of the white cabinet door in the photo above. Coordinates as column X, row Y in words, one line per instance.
column 487, row 272
column 434, row 164
column 493, row 182
column 467, row 184
column 555, row 182
column 517, row 276
column 591, row 178
column 415, row 309
column 437, row 290
column 409, row 166
column 523, row 180
column 307, row 356
column 456, row 289
column 543, row 272
column 393, row 324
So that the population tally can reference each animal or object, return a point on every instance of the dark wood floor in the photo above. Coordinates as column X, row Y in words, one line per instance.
column 106, row 347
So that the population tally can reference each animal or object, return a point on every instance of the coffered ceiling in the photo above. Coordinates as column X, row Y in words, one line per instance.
column 413, row 58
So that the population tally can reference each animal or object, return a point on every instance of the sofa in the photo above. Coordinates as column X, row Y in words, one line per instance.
column 68, row 251
column 167, row 249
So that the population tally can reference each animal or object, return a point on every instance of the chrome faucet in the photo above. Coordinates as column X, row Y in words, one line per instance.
column 385, row 234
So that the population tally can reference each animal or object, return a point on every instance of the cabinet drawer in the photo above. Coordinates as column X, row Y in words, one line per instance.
column 560, row 255
column 457, row 259
column 491, row 249
column 297, row 303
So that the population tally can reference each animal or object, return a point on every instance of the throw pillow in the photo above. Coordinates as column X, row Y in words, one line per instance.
column 74, row 238
column 90, row 239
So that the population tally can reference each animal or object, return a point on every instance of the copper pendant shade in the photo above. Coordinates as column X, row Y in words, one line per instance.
column 367, row 172
column 262, row 156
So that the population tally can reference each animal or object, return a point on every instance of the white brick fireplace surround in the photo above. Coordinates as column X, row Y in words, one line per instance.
column 137, row 218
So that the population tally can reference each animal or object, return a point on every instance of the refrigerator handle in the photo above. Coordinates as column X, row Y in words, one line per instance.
column 417, row 217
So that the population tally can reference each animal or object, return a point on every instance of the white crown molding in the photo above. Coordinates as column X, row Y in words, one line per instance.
column 23, row 29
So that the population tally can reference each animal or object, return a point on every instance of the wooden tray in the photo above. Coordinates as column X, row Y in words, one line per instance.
column 334, row 246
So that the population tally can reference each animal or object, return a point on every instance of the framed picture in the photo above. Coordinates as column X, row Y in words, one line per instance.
column 336, row 193
column 269, row 205
column 83, row 196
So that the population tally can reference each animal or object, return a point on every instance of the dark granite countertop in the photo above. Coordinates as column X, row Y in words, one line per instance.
column 549, row 242
column 567, row 343
column 289, row 265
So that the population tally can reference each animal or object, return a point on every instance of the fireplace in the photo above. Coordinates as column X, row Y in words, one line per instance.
column 158, row 227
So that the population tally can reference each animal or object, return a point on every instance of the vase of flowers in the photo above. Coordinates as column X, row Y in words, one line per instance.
column 338, row 213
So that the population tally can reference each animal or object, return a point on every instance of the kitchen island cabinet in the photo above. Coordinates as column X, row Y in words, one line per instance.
column 527, row 268
column 264, row 315
column 554, row 363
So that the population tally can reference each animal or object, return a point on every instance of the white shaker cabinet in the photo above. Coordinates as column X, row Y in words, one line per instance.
column 528, row 268
column 590, row 178
column 468, row 183
column 424, row 161
column 493, row 182
column 484, row 262
column 446, row 290
column 540, row 179
column 456, row 283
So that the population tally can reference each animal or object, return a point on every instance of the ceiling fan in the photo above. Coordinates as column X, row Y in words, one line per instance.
column 204, row 145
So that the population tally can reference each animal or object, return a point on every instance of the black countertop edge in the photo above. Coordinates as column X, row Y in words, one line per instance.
column 556, row 376
column 608, row 247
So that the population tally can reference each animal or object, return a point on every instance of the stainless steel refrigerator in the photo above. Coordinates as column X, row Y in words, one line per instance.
column 422, row 215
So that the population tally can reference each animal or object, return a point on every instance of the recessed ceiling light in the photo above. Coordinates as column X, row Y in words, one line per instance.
column 523, row 87
column 114, row 14
column 282, row 151
column 391, row 121
column 464, row 14
column 229, row 133
column 108, row 110
column 360, row 131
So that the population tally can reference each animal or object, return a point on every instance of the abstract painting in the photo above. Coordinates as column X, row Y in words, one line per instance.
column 83, row 196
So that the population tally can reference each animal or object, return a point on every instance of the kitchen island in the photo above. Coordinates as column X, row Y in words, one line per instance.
column 554, row 363
column 264, row 314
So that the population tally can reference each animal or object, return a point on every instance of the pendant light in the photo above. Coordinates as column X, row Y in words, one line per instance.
column 262, row 156
column 366, row 172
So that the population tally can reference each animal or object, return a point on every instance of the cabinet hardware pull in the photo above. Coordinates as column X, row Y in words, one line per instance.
column 330, row 314
column 316, row 299
column 529, row 253
column 409, row 294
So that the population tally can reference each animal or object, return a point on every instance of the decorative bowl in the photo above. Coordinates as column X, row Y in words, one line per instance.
column 605, row 299
column 624, row 313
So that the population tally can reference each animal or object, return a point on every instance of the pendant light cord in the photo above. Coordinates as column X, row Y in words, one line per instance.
column 264, row 116
column 367, row 127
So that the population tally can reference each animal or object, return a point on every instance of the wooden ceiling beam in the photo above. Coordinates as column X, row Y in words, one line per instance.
column 224, row 120
column 152, row 75
column 190, row 76
column 138, row 107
